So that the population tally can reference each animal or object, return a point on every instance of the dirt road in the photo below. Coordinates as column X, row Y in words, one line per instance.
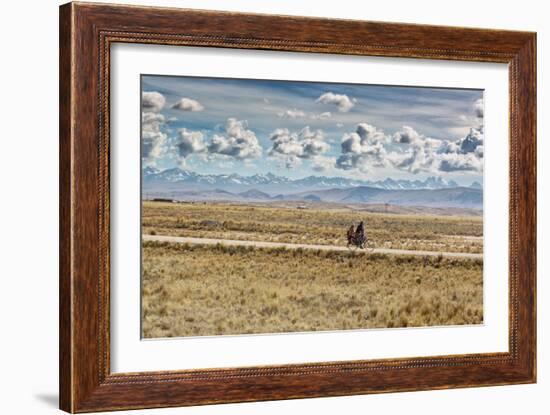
column 261, row 244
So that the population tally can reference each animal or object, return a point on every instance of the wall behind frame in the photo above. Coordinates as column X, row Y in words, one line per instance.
column 28, row 214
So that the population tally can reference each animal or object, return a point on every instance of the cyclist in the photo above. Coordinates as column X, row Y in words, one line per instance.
column 360, row 232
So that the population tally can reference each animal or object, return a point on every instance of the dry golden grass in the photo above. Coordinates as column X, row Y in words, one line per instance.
column 212, row 290
column 312, row 226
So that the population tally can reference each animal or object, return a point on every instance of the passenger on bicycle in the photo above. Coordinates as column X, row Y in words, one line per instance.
column 351, row 234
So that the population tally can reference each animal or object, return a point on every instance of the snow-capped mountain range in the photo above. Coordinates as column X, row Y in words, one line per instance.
column 175, row 177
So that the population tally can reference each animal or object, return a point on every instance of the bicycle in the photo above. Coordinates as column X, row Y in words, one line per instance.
column 362, row 242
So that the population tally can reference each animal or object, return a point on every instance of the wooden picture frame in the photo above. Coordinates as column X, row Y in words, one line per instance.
column 86, row 33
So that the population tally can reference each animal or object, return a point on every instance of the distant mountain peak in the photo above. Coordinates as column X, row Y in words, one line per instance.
column 271, row 182
column 150, row 170
column 255, row 194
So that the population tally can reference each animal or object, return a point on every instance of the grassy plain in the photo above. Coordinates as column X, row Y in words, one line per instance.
column 321, row 224
column 194, row 290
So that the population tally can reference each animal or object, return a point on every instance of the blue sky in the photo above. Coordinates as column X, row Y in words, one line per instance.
column 296, row 129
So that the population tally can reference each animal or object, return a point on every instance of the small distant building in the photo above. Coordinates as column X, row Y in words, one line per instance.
column 161, row 199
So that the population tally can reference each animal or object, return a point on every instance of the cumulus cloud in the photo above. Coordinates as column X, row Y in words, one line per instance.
column 468, row 144
column 419, row 154
column 417, row 158
column 343, row 102
column 237, row 141
column 460, row 162
column 473, row 140
column 152, row 147
column 479, row 151
column 430, row 155
column 152, row 101
column 465, row 154
column 292, row 147
column 476, row 115
column 153, row 139
column 189, row 142
column 409, row 150
column 188, row 104
column 363, row 149
column 407, row 135
column 479, row 108
column 323, row 163
column 152, row 121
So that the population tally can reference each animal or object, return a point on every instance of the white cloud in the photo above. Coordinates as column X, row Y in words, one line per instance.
column 479, row 151
column 238, row 141
column 188, row 104
column 368, row 147
column 431, row 155
column 369, row 134
column 152, row 146
column 312, row 142
column 190, row 142
column 343, row 102
column 321, row 116
column 474, row 139
column 419, row 153
column 291, row 147
column 153, row 140
column 152, row 101
column 465, row 154
column 407, row 135
column 363, row 149
column 322, row 163
column 468, row 144
column 417, row 158
column 479, row 108
column 291, row 114
column 296, row 113
column 152, row 121
column 460, row 162
column 473, row 118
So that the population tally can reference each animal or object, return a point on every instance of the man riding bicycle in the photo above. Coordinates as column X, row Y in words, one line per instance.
column 360, row 232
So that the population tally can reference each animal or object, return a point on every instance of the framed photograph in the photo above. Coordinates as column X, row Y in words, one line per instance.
column 260, row 207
